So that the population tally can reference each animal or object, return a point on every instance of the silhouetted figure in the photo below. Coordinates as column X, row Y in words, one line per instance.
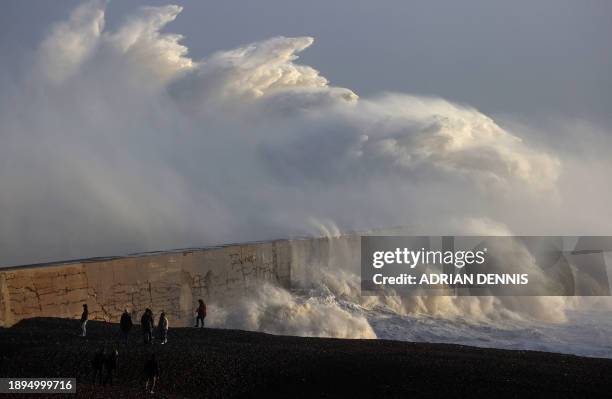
column 110, row 364
column 84, row 318
column 201, row 313
column 162, row 326
column 151, row 370
column 146, row 322
column 97, row 364
column 126, row 325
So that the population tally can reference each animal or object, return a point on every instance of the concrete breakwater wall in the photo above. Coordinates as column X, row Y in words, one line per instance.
column 172, row 280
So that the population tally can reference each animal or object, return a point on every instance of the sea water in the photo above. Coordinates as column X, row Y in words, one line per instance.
column 585, row 333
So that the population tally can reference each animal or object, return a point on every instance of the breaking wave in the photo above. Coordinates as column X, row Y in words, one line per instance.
column 327, row 303
column 117, row 141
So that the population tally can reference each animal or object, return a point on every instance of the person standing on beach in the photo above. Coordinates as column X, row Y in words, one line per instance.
column 151, row 370
column 126, row 325
column 146, row 322
column 201, row 313
column 110, row 363
column 151, row 326
column 84, row 318
column 97, row 364
column 163, row 328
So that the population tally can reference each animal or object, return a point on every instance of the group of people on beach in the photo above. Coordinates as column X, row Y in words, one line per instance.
column 147, row 323
column 104, row 362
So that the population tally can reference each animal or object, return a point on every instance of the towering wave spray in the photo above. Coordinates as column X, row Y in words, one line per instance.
column 117, row 141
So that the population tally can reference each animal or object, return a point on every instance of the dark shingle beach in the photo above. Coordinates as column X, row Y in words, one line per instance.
column 216, row 363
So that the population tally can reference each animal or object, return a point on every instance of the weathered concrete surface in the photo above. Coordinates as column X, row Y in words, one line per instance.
column 170, row 281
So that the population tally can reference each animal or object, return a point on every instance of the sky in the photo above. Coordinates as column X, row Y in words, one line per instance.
column 534, row 60
column 132, row 126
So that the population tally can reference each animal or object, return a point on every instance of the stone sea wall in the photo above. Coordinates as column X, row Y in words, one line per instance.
column 172, row 281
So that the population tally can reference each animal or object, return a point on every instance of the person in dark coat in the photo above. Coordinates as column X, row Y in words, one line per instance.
column 162, row 327
column 97, row 364
column 110, row 364
column 126, row 325
column 84, row 318
column 151, row 371
column 201, row 313
column 146, row 322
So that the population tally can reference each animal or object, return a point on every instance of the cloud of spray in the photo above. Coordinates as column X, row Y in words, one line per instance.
column 117, row 141
column 274, row 310
column 338, row 277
